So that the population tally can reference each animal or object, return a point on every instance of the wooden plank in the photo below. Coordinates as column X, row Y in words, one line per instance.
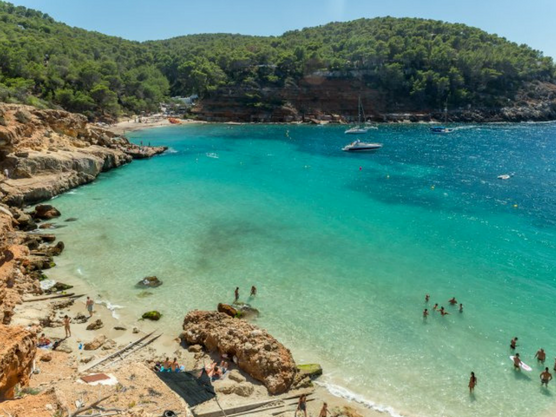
column 129, row 346
column 52, row 297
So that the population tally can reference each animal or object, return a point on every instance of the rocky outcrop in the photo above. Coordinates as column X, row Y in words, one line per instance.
column 152, row 315
column 17, row 352
column 227, row 309
column 256, row 352
column 149, row 282
column 47, row 152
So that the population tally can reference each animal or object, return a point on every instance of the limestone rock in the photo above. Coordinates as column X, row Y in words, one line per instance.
column 45, row 212
column 17, row 352
column 258, row 353
column 95, row 325
column 46, row 357
column 243, row 389
column 227, row 309
column 149, row 282
column 135, row 330
column 80, row 318
column 120, row 328
column 195, row 348
column 109, row 344
column 96, row 343
column 152, row 315
column 235, row 375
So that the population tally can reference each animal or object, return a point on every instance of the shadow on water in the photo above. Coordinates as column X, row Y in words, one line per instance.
column 472, row 397
column 545, row 391
column 521, row 375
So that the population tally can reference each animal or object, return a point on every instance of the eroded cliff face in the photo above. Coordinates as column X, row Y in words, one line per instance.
column 17, row 352
column 257, row 352
column 46, row 152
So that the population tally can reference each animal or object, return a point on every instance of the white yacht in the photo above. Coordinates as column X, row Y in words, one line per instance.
column 358, row 146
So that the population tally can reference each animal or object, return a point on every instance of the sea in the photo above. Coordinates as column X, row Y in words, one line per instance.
column 343, row 247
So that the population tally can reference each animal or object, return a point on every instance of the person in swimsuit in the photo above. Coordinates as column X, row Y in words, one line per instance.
column 435, row 307
column 453, row 301
column 540, row 355
column 442, row 311
column 427, row 298
column 302, row 405
column 324, row 410
column 43, row 341
column 167, row 365
column 175, row 366
column 90, row 306
column 513, row 343
column 472, row 382
column 253, row 291
column 425, row 313
column 67, row 322
column 517, row 362
column 461, row 308
column 236, row 293
column 545, row 377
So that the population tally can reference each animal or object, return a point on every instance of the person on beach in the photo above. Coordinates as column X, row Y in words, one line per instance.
column 517, row 362
column 453, row 301
column 166, row 365
column 67, row 322
column 175, row 366
column 425, row 313
column 236, row 293
column 90, row 306
column 253, row 291
column 461, row 308
column 545, row 377
column 540, row 355
column 324, row 410
column 427, row 298
column 472, row 382
column 513, row 343
column 442, row 311
column 435, row 307
column 302, row 405
column 43, row 341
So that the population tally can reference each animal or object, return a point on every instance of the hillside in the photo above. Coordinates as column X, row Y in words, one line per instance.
column 396, row 65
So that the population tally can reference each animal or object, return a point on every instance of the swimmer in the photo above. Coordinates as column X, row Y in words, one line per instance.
column 427, row 298
column 425, row 313
column 540, row 355
column 461, row 308
column 443, row 312
column 513, row 343
column 435, row 307
column 236, row 294
column 545, row 377
column 253, row 291
column 453, row 301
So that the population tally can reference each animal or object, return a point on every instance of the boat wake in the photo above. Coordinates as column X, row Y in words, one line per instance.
column 343, row 392
column 212, row 155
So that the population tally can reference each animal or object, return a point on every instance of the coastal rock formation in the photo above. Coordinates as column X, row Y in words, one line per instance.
column 152, row 315
column 257, row 352
column 46, row 152
column 149, row 282
column 95, row 343
column 98, row 324
column 227, row 309
column 17, row 352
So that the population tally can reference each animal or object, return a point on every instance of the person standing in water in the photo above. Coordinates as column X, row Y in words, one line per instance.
column 435, row 307
column 253, row 291
column 425, row 313
column 472, row 382
column 236, row 293
column 427, row 298
column 545, row 377
column 517, row 362
column 513, row 343
column 442, row 311
column 453, row 301
column 461, row 308
column 540, row 355
column 67, row 322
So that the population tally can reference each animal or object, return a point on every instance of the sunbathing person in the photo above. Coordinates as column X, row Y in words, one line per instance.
column 43, row 341
column 166, row 365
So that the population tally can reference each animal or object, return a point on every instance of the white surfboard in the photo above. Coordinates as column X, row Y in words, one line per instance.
column 523, row 365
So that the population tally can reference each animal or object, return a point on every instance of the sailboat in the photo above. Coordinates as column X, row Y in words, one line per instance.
column 360, row 128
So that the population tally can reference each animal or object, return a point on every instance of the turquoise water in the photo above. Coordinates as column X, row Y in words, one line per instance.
column 343, row 248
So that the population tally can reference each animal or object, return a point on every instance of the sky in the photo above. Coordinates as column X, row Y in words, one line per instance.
column 532, row 22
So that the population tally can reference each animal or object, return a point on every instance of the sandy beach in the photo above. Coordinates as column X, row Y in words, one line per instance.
column 135, row 124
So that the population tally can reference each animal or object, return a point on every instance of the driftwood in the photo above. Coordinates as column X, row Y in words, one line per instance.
column 52, row 297
column 93, row 405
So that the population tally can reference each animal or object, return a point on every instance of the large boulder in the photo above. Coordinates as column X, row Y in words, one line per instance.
column 17, row 352
column 149, row 282
column 96, row 343
column 98, row 324
column 152, row 315
column 254, row 350
column 227, row 309
column 45, row 212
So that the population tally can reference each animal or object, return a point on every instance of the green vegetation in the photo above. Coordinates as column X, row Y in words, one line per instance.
column 423, row 63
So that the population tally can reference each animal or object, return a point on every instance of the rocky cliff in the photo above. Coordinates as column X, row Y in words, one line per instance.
column 17, row 352
column 334, row 98
column 46, row 152
column 257, row 352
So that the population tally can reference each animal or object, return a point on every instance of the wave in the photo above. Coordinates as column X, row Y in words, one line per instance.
column 343, row 392
column 170, row 151
column 111, row 307
column 212, row 155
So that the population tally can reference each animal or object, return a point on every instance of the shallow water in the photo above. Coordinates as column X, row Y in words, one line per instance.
column 343, row 248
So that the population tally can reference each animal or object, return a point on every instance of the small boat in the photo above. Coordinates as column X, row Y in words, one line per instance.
column 505, row 176
column 361, row 128
column 358, row 146
column 441, row 130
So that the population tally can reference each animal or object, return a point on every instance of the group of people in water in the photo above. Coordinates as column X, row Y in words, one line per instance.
column 545, row 375
column 441, row 310
column 253, row 293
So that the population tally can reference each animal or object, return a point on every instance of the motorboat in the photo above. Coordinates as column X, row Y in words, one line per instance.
column 441, row 130
column 358, row 146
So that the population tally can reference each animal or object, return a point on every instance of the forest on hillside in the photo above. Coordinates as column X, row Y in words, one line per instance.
column 430, row 63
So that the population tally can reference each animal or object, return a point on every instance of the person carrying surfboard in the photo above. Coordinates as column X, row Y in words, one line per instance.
column 545, row 377
column 517, row 362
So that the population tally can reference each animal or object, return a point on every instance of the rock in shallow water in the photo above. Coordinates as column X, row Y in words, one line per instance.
column 149, row 282
column 152, row 315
